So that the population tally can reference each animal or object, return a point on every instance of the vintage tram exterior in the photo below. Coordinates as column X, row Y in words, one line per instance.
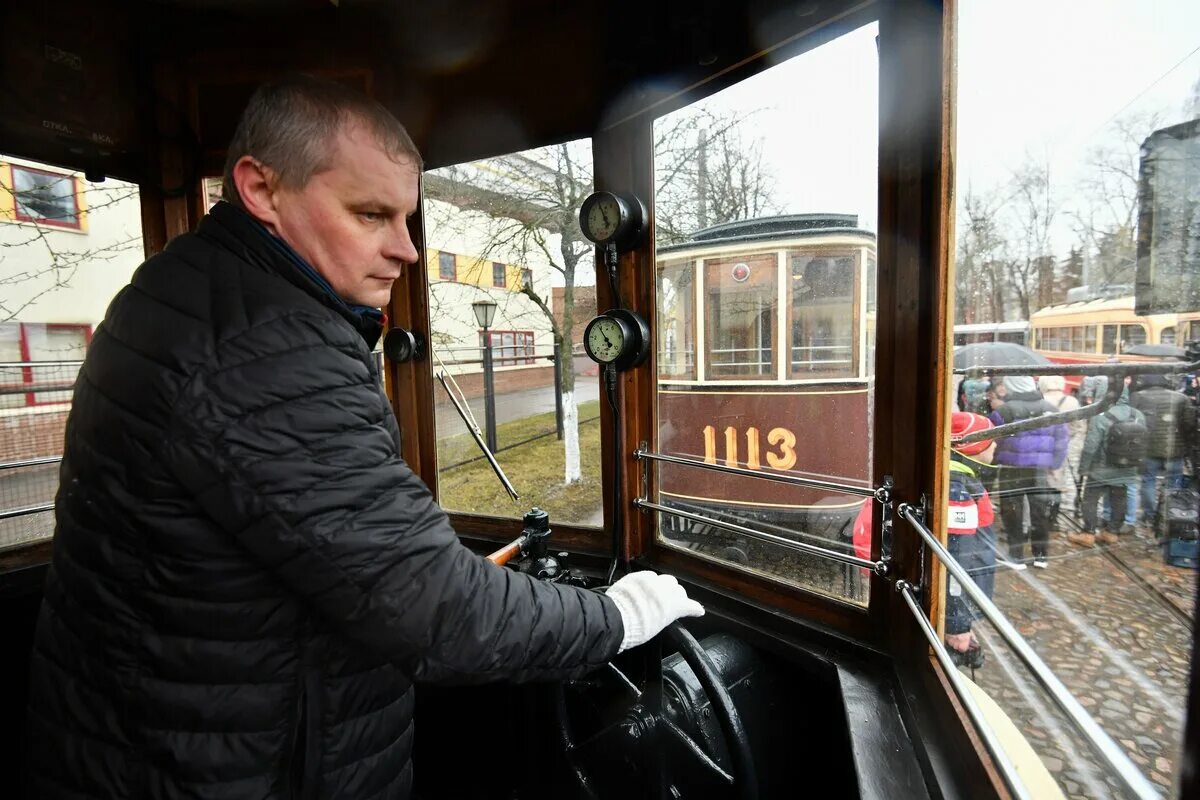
column 766, row 340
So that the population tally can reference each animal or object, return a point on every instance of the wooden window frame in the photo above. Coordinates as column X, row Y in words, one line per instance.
column 499, row 275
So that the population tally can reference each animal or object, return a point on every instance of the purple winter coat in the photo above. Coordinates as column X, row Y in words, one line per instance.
column 1042, row 448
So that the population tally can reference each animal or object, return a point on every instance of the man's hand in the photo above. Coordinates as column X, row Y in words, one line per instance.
column 649, row 602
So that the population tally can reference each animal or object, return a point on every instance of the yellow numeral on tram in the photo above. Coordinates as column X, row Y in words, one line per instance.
column 786, row 441
column 781, row 437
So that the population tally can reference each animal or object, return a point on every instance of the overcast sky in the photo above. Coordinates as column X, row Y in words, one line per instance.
column 1044, row 78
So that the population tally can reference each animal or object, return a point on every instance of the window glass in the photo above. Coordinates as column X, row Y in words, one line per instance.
column 1109, row 346
column 504, row 214
column 676, row 320
column 823, row 320
column 1167, row 336
column 741, row 296
column 1050, row 167
column 1132, row 335
column 67, row 246
column 1077, row 344
column 48, row 198
column 765, row 246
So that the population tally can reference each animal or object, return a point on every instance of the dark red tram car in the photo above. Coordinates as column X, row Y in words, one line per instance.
column 783, row 309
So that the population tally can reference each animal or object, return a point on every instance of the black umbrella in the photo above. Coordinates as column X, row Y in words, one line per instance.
column 996, row 354
column 1155, row 350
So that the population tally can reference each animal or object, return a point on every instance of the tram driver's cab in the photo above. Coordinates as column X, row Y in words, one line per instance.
column 684, row 361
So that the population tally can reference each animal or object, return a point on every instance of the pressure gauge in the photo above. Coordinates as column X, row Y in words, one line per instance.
column 620, row 338
column 613, row 219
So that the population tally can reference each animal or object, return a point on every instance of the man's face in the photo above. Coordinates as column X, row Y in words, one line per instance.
column 350, row 221
column 995, row 395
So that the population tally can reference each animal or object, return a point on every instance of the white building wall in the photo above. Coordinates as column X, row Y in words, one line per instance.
column 454, row 330
column 92, row 265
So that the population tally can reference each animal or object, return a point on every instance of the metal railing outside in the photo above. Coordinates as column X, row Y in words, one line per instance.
column 1101, row 742
column 35, row 397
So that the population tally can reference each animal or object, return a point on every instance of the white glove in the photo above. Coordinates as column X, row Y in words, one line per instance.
column 649, row 602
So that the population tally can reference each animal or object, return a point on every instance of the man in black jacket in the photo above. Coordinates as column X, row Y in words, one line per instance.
column 1171, row 422
column 247, row 578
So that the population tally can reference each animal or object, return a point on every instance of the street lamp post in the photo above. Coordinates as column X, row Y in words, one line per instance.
column 485, row 312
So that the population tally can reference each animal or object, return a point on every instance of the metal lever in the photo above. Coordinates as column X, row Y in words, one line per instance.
column 478, row 437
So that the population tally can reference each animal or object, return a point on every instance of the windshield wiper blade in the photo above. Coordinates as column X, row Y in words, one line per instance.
column 478, row 437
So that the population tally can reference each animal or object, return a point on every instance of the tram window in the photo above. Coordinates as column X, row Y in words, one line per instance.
column 822, row 315
column 1167, row 336
column 1110, row 340
column 1077, row 339
column 488, row 220
column 69, row 246
column 1047, row 181
column 741, row 294
column 677, row 320
column 1132, row 335
column 780, row 238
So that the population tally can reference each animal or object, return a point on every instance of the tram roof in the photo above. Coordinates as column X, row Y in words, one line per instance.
column 785, row 226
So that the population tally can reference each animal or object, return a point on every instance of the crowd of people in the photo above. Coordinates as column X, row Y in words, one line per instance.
column 1095, row 481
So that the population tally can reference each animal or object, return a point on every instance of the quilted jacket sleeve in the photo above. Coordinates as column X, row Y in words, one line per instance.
column 284, row 441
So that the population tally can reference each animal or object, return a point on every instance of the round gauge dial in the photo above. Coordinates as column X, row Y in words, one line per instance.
column 613, row 219
column 604, row 339
column 603, row 218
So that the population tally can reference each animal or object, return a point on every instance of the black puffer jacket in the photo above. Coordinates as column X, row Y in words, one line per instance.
column 247, row 578
column 1170, row 419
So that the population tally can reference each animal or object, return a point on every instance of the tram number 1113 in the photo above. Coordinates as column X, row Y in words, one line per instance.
column 781, row 438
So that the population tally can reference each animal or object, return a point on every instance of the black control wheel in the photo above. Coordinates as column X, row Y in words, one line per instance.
column 642, row 733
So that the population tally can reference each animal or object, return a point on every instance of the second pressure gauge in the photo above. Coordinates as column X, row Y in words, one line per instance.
column 617, row 219
column 619, row 337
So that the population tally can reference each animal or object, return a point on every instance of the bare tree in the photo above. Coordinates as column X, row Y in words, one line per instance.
column 532, row 200
column 1029, row 215
column 35, row 262
column 1106, row 218
column 980, row 279
column 706, row 174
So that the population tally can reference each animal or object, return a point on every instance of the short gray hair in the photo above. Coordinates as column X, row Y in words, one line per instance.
column 289, row 125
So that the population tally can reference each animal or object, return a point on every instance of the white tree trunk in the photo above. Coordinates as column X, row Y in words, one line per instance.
column 571, row 438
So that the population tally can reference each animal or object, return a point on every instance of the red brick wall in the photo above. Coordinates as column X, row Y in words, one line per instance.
column 505, row 381
column 24, row 436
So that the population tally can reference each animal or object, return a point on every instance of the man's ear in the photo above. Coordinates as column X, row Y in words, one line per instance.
column 255, row 183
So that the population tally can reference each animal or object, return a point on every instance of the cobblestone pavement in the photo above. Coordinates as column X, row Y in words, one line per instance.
column 1114, row 624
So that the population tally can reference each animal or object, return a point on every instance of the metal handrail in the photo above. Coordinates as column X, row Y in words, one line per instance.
column 1100, row 741
column 1007, row 769
column 1118, row 368
column 24, row 512
column 16, row 364
column 812, row 483
column 878, row 567
column 30, row 462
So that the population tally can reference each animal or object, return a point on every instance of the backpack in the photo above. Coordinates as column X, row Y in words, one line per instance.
column 1127, row 443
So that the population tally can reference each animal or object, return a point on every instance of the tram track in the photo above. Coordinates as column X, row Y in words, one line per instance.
column 1165, row 600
